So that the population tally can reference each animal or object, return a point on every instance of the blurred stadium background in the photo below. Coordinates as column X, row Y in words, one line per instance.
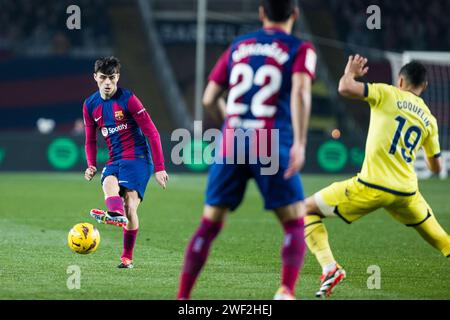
column 46, row 69
column 46, row 72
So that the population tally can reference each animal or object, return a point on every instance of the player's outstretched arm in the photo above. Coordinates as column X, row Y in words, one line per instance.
column 144, row 121
column 149, row 129
column 90, row 145
column 300, row 113
column 348, row 86
column 213, row 101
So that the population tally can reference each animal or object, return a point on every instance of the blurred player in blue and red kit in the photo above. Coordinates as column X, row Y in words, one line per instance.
column 269, row 74
column 128, row 130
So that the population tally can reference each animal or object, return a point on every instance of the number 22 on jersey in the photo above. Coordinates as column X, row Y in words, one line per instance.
column 249, row 78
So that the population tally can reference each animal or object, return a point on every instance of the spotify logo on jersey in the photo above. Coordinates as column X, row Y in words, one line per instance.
column 110, row 131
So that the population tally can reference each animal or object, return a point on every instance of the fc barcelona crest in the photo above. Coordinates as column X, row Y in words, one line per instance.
column 118, row 115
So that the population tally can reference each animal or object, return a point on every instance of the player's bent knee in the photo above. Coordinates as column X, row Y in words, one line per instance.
column 131, row 205
column 318, row 206
column 111, row 186
column 215, row 213
column 290, row 212
column 110, row 180
column 311, row 207
column 131, row 196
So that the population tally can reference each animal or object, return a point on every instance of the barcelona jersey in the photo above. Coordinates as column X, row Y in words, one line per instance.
column 115, row 120
column 257, row 69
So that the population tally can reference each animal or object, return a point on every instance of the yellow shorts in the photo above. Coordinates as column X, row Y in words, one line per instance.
column 351, row 199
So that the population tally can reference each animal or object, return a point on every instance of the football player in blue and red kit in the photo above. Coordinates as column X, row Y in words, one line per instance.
column 268, row 75
column 128, row 131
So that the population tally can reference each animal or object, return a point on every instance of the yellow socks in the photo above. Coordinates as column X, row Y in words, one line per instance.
column 433, row 233
column 316, row 238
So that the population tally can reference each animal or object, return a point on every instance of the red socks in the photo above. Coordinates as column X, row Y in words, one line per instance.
column 292, row 252
column 129, row 240
column 196, row 255
column 115, row 204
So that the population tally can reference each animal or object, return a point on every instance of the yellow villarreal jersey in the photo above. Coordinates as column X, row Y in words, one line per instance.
column 400, row 124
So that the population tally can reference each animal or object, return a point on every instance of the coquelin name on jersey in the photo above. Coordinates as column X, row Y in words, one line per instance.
column 414, row 108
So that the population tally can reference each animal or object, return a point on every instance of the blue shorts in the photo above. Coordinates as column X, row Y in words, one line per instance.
column 132, row 174
column 227, row 184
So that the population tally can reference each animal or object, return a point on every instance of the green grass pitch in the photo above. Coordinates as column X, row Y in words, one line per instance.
column 37, row 211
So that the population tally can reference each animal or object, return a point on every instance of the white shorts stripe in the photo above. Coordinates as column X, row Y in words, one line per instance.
column 325, row 209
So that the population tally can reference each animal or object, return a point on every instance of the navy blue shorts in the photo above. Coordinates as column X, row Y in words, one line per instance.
column 132, row 174
column 227, row 183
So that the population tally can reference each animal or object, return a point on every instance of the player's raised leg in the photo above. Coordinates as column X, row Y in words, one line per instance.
column 114, row 204
column 198, row 248
column 415, row 212
column 293, row 248
column 316, row 237
column 130, row 231
column 435, row 235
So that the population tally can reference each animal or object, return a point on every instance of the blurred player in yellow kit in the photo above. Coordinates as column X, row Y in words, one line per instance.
column 400, row 124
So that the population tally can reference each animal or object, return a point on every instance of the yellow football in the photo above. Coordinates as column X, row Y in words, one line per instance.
column 83, row 238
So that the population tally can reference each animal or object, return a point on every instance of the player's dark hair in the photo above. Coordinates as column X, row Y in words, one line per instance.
column 107, row 65
column 415, row 73
column 278, row 10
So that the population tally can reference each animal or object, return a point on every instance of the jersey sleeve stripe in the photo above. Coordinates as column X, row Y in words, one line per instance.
column 366, row 89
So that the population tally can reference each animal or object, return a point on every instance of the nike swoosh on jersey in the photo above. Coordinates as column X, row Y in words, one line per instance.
column 123, row 181
column 96, row 119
